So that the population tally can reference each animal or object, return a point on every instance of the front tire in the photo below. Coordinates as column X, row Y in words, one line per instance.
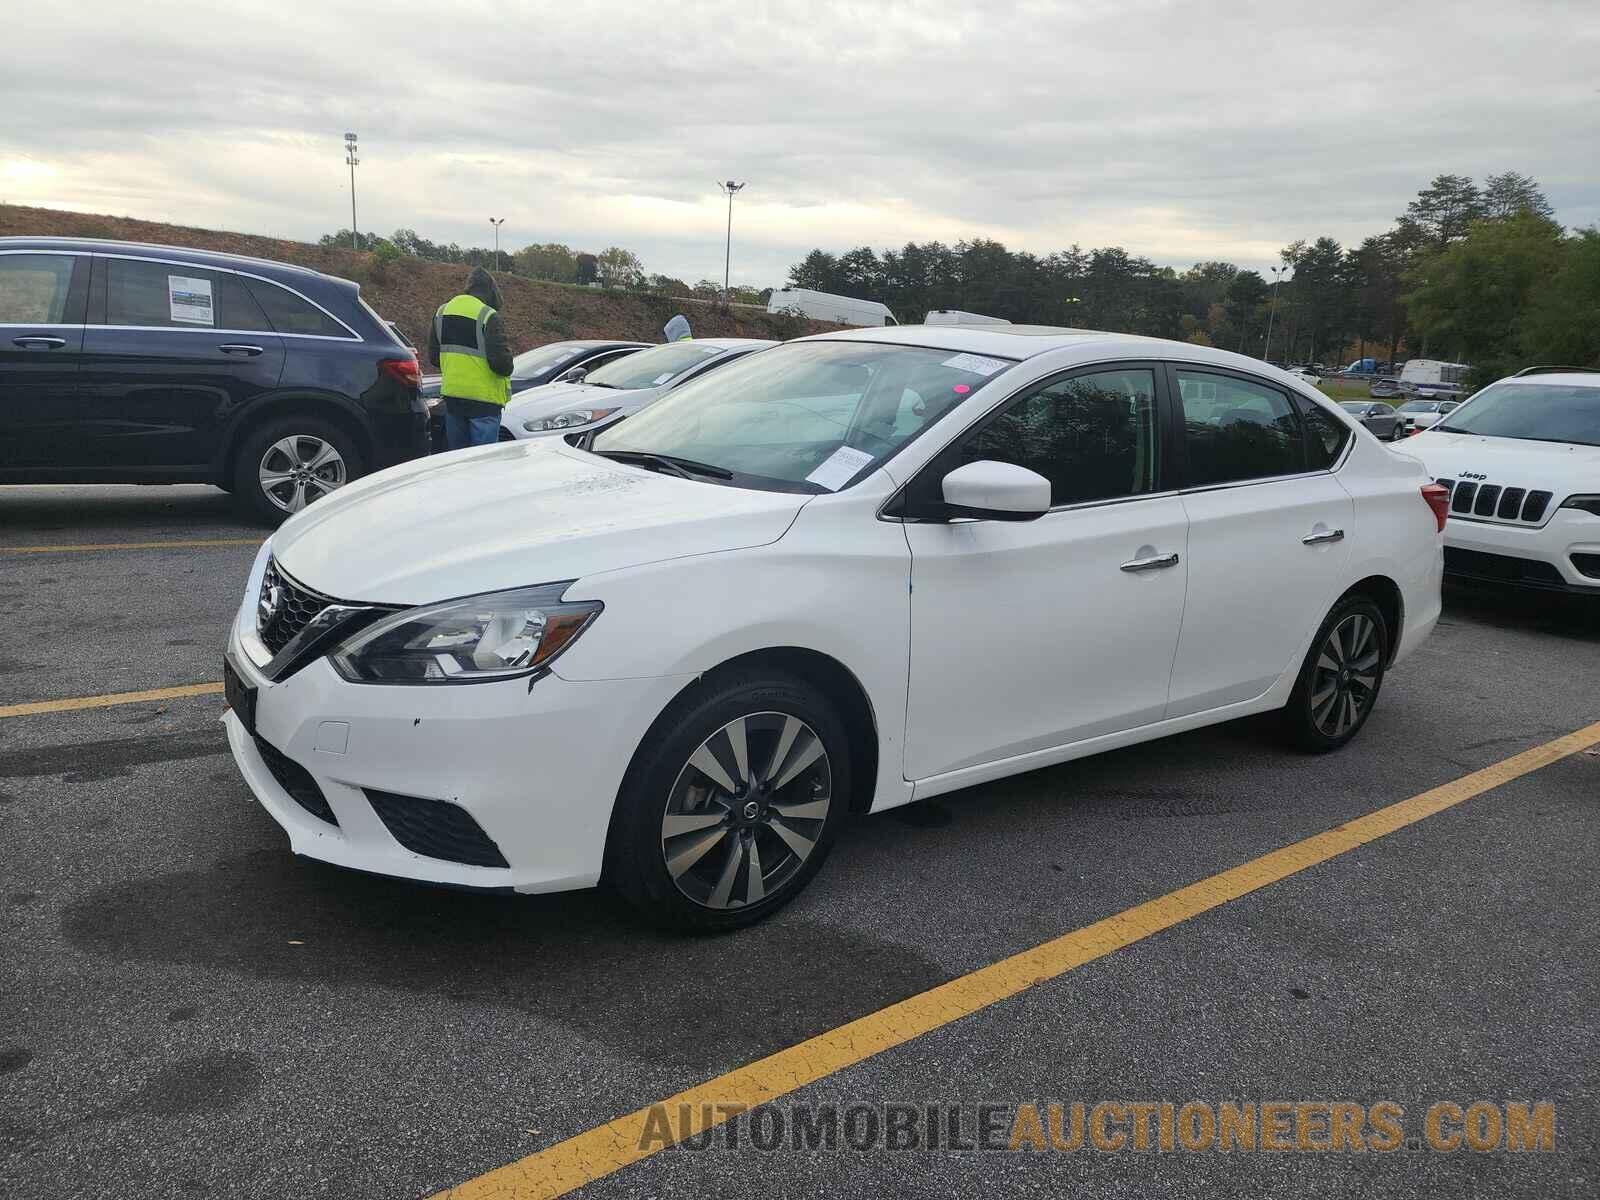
column 731, row 803
column 1340, row 678
column 288, row 463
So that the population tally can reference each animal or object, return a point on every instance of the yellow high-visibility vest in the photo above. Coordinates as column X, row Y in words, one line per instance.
column 463, row 356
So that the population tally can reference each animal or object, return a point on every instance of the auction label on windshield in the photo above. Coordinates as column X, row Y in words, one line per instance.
column 189, row 300
column 976, row 363
column 840, row 468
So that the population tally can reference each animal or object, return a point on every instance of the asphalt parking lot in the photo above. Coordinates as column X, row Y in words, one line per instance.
column 187, row 1010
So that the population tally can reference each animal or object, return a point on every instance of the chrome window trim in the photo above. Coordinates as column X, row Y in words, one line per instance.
column 50, row 250
column 266, row 333
column 173, row 262
column 38, row 325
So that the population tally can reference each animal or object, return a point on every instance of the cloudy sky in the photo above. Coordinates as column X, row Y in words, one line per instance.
column 1180, row 130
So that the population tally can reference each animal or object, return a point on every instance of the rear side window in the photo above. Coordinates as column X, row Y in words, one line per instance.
column 33, row 288
column 169, row 296
column 1235, row 430
column 1325, row 435
column 288, row 313
column 1092, row 436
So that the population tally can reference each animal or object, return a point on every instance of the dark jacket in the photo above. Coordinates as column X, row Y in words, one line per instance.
column 496, row 345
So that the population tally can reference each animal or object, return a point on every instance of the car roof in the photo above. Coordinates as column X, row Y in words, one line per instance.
column 729, row 343
column 1588, row 379
column 589, row 344
column 199, row 258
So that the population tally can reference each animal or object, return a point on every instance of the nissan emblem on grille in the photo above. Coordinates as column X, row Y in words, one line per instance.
column 284, row 608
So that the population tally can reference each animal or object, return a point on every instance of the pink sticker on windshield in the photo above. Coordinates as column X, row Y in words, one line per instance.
column 961, row 389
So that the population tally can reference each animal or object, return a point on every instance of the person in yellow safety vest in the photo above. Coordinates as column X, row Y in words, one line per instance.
column 468, row 342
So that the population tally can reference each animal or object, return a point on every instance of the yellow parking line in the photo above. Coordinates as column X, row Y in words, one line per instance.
column 598, row 1152
column 107, row 701
column 130, row 545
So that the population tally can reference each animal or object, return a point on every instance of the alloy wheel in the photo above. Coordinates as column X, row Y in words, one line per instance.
column 300, row 468
column 1345, row 679
column 746, row 810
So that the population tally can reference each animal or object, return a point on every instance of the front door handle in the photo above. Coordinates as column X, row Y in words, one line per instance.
column 38, row 342
column 1317, row 539
column 240, row 348
column 1158, row 563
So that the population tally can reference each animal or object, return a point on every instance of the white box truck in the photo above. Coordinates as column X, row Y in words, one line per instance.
column 1433, row 379
column 824, row 306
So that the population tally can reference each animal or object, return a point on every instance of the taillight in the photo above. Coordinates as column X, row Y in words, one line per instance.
column 402, row 370
column 1438, row 499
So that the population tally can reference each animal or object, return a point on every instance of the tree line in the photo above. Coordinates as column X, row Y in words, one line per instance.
column 1476, row 274
column 613, row 267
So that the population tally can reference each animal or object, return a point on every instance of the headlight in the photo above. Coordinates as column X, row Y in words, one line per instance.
column 1588, row 504
column 498, row 635
column 570, row 419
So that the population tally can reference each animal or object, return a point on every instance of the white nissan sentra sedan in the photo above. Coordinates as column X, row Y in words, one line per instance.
column 618, row 389
column 846, row 573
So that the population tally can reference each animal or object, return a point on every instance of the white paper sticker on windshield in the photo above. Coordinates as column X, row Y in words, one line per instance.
column 661, row 378
column 840, row 468
column 189, row 300
column 976, row 363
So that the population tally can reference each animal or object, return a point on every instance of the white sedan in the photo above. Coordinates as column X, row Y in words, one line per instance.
column 844, row 574
column 1522, row 458
column 619, row 389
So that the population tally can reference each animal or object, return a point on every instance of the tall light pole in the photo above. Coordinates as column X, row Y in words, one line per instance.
column 497, row 222
column 350, row 157
column 732, row 189
column 1272, row 309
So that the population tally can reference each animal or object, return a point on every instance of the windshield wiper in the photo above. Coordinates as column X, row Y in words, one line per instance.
column 685, row 468
column 1451, row 429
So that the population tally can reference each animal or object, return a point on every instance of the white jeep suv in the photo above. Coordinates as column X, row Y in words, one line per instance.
column 1522, row 458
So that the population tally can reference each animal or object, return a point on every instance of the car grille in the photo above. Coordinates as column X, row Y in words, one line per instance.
column 436, row 829
column 285, row 607
column 296, row 780
column 1495, row 502
column 1504, row 568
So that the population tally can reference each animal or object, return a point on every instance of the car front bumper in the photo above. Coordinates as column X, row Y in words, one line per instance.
column 535, row 769
column 1525, row 555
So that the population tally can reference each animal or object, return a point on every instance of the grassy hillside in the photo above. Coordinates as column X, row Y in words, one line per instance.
column 408, row 291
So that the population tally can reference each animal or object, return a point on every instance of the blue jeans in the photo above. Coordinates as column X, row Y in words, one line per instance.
column 461, row 430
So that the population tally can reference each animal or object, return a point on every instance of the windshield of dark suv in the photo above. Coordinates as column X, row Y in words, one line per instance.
column 1535, row 412
column 803, row 417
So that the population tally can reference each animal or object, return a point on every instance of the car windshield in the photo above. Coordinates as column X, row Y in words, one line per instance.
column 532, row 362
column 1536, row 412
column 652, row 367
column 807, row 416
column 1353, row 406
column 1419, row 406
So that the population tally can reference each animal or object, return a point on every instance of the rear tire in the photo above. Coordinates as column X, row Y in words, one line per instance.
column 726, row 843
column 1340, row 678
column 285, row 464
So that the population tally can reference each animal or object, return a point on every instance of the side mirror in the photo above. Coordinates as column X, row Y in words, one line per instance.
column 576, row 375
column 996, row 491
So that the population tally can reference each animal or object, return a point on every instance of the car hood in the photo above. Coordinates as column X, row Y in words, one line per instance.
column 1559, row 467
column 510, row 515
column 555, row 398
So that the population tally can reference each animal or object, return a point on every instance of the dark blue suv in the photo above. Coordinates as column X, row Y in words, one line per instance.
column 128, row 363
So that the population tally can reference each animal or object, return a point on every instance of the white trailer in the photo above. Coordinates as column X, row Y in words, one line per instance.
column 1433, row 379
column 954, row 316
column 824, row 306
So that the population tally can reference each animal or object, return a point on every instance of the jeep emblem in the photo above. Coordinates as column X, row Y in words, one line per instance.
column 1472, row 475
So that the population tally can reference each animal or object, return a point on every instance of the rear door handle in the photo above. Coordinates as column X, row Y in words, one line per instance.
column 240, row 348
column 1158, row 563
column 1316, row 539
column 39, row 342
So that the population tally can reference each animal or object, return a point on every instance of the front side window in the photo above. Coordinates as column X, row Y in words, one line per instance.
column 805, row 416
column 170, row 296
column 33, row 288
column 532, row 362
column 1235, row 430
column 1534, row 412
column 1092, row 436
column 655, row 367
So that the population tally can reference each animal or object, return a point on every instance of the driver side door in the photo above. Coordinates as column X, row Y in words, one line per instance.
column 1028, row 635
